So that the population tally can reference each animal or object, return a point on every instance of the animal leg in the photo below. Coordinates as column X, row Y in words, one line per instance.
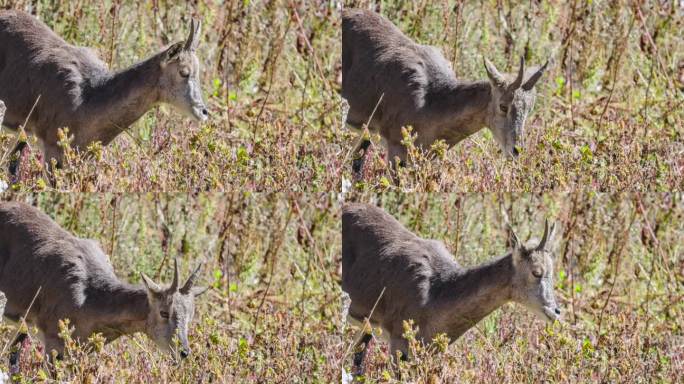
column 399, row 344
column 54, row 343
column 15, row 159
column 365, row 344
column 360, row 155
column 394, row 151
column 52, row 151
column 15, row 354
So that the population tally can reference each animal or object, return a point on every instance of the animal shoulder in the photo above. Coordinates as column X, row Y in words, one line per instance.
column 434, row 57
column 436, row 254
column 94, row 251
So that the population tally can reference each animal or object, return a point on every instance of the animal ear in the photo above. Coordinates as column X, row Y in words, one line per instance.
column 516, row 245
column 151, row 286
column 513, row 238
column 529, row 84
column 194, row 36
column 196, row 291
column 172, row 53
column 495, row 78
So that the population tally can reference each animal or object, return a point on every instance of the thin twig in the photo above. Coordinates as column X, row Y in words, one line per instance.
column 22, row 320
column 360, row 333
column 308, row 44
column 654, row 46
column 21, row 130
column 364, row 132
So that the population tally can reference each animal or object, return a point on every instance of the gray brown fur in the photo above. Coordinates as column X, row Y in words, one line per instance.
column 423, row 282
column 3, row 302
column 77, row 282
column 78, row 91
column 418, row 88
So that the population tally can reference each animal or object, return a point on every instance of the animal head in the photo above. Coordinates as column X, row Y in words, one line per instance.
column 510, row 104
column 533, row 277
column 171, row 311
column 180, row 81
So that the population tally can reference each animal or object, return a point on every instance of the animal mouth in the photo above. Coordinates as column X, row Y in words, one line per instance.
column 551, row 314
column 200, row 113
column 510, row 151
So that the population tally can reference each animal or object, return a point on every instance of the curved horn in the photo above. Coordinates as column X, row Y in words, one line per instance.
column 496, row 78
column 191, row 281
column 174, row 283
column 529, row 84
column 542, row 243
column 193, row 37
column 518, row 80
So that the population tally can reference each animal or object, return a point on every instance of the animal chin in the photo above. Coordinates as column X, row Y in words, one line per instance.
column 508, row 151
column 163, row 345
column 198, row 115
column 550, row 314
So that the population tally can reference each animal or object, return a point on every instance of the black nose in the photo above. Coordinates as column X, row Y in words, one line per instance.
column 184, row 354
column 205, row 112
column 557, row 310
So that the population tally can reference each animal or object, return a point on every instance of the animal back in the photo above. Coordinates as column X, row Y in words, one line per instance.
column 36, row 62
column 378, row 60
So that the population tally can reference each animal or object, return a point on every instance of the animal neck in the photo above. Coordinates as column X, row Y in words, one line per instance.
column 466, row 297
column 123, row 97
column 460, row 108
column 120, row 309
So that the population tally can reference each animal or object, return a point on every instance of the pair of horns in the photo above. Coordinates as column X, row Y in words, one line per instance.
column 193, row 37
column 185, row 289
column 545, row 236
column 499, row 80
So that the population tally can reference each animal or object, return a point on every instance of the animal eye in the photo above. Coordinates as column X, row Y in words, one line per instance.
column 164, row 314
column 185, row 72
column 537, row 273
column 504, row 108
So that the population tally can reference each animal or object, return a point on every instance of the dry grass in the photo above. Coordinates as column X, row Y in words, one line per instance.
column 619, row 280
column 609, row 113
column 272, row 314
